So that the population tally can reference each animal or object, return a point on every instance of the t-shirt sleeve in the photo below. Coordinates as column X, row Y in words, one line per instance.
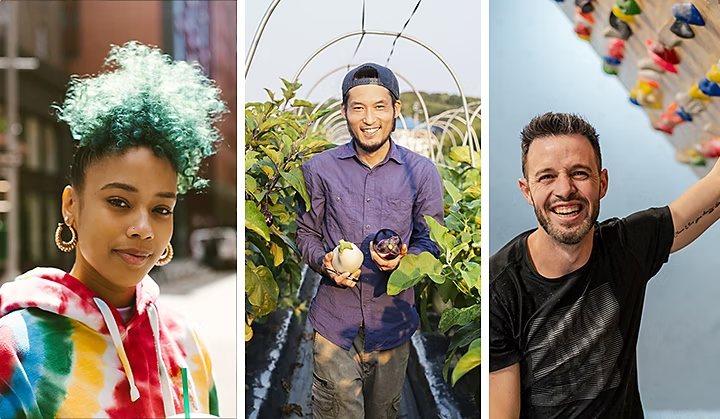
column 649, row 237
column 504, row 350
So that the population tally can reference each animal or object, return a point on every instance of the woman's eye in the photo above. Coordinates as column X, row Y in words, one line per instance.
column 163, row 211
column 117, row 202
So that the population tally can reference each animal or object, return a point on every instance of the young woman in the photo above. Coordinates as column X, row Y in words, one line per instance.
column 95, row 342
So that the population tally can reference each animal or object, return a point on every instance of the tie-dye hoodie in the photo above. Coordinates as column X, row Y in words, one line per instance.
column 65, row 353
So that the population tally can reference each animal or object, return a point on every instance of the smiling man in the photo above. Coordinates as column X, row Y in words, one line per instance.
column 361, row 343
column 566, row 298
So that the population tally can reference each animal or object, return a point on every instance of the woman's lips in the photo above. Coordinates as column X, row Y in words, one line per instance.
column 133, row 257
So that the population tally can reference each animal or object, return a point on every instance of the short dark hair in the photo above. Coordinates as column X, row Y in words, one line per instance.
column 554, row 124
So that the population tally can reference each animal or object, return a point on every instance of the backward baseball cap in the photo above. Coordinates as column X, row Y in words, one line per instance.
column 371, row 73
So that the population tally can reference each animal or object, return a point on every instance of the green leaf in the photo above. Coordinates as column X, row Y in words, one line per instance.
column 270, row 123
column 297, row 103
column 274, row 155
column 446, row 366
column 257, row 250
column 284, row 238
column 471, row 274
column 255, row 221
column 437, row 278
column 267, row 166
column 270, row 94
column 447, row 290
column 473, row 192
column 250, row 184
column 278, row 254
column 296, row 179
column 467, row 362
column 250, row 159
column 452, row 316
column 411, row 270
column 262, row 290
column 439, row 234
column 465, row 335
column 453, row 191
column 455, row 251
column 461, row 154
column 455, row 221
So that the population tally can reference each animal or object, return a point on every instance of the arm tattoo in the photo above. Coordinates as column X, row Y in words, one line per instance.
column 695, row 221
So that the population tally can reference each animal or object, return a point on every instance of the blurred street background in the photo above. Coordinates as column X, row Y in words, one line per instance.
column 43, row 43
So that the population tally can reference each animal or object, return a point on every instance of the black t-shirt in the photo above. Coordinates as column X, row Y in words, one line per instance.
column 575, row 337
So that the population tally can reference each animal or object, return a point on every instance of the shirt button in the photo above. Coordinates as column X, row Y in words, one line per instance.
column 368, row 200
column 367, row 226
column 337, row 198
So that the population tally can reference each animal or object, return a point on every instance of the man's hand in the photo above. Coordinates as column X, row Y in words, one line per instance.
column 345, row 279
column 384, row 264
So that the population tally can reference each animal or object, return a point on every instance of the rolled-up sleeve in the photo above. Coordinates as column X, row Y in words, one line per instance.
column 309, row 237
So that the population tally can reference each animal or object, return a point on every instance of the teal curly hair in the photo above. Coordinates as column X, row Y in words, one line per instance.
column 144, row 98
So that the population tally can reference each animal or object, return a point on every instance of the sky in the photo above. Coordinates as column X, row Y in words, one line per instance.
column 297, row 29
column 542, row 66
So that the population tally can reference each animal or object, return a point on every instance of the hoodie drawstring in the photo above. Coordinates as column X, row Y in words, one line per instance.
column 115, row 334
column 164, row 376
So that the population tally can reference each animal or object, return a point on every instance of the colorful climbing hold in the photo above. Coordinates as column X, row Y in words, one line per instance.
column 713, row 74
column 621, row 27
column 628, row 7
column 585, row 5
column 665, row 54
column 616, row 48
column 696, row 93
column 583, row 31
column 622, row 16
column 688, row 13
column 682, row 114
column 612, row 61
column 709, row 88
column 612, row 70
column 710, row 147
column 690, row 156
column 682, row 29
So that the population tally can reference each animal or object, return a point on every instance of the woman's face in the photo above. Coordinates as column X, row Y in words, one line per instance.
column 124, row 219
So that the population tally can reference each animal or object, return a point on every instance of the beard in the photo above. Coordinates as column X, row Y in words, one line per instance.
column 368, row 148
column 564, row 235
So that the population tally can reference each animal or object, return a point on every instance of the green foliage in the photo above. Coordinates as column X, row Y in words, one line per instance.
column 455, row 275
column 277, row 143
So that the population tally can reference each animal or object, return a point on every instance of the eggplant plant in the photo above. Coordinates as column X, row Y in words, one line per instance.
column 277, row 142
column 455, row 275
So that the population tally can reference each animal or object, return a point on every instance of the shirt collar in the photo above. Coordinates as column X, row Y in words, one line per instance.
column 348, row 150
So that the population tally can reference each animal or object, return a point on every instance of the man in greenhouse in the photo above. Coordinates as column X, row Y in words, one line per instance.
column 566, row 298
column 362, row 192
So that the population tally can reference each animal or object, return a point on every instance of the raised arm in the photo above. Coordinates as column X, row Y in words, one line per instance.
column 505, row 393
column 696, row 209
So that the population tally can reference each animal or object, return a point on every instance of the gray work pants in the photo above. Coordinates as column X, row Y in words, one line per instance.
column 356, row 384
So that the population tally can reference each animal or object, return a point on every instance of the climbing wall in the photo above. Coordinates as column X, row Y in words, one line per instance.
column 666, row 54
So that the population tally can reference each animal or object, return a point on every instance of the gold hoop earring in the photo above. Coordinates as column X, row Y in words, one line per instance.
column 166, row 256
column 63, row 245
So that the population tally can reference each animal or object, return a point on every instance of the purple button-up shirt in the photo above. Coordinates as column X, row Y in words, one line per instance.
column 351, row 201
